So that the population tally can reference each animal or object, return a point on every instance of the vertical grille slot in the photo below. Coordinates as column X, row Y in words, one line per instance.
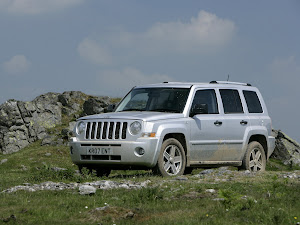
column 117, row 131
column 124, row 128
column 93, row 130
column 98, row 130
column 87, row 132
column 104, row 130
column 111, row 130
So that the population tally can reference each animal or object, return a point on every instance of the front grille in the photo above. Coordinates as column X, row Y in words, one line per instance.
column 106, row 130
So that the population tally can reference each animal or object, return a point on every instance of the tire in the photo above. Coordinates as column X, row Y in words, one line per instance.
column 255, row 158
column 172, row 159
column 188, row 170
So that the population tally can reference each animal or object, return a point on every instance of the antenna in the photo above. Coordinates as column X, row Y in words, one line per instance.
column 228, row 77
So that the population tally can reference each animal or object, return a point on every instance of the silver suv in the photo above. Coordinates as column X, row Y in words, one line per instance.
column 174, row 127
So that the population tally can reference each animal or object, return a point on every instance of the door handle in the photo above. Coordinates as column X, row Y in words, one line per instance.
column 218, row 123
column 243, row 122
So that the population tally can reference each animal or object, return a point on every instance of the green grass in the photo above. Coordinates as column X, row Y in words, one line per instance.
column 270, row 198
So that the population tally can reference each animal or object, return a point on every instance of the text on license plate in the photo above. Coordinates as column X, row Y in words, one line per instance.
column 99, row 151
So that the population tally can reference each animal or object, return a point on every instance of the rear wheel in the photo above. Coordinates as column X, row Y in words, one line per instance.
column 171, row 160
column 255, row 158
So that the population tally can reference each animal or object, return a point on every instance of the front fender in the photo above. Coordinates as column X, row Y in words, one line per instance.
column 165, row 129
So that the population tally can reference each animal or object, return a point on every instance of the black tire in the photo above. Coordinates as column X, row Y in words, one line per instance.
column 255, row 157
column 172, row 159
column 188, row 170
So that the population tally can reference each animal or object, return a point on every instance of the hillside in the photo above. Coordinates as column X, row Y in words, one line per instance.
column 40, row 185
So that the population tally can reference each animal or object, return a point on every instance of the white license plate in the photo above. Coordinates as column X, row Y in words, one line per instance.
column 99, row 151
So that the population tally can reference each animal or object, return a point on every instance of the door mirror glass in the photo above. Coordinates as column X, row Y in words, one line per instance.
column 199, row 109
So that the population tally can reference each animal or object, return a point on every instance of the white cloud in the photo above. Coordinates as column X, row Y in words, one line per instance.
column 120, row 82
column 94, row 52
column 36, row 6
column 203, row 33
column 17, row 64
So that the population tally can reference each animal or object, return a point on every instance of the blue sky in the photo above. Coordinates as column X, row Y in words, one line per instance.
column 104, row 47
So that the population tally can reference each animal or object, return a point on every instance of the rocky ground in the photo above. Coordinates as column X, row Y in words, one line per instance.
column 222, row 174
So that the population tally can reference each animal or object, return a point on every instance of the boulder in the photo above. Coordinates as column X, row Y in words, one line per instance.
column 22, row 123
column 95, row 105
column 286, row 149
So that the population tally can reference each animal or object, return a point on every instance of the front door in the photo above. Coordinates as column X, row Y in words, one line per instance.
column 207, row 129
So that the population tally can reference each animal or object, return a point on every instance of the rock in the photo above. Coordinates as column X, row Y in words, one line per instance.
column 95, row 105
column 286, row 149
column 22, row 123
column 88, row 186
column 56, row 169
column 87, row 190
column 49, row 140
column 210, row 191
column 48, row 154
column 3, row 161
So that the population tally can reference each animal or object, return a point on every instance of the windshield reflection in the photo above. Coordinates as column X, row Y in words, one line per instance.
column 155, row 99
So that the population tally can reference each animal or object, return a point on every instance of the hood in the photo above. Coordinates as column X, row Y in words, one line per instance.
column 144, row 116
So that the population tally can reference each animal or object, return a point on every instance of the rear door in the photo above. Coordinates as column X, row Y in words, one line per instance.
column 235, row 122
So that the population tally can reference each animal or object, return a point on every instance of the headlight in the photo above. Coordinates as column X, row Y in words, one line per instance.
column 80, row 127
column 135, row 128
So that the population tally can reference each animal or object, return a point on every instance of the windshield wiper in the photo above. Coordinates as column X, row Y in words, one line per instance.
column 165, row 110
column 131, row 110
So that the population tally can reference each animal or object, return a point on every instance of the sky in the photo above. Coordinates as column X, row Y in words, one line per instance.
column 105, row 47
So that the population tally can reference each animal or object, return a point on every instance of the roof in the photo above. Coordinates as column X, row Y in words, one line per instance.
column 189, row 84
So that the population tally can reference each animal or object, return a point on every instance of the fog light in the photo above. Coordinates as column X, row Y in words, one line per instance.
column 139, row 151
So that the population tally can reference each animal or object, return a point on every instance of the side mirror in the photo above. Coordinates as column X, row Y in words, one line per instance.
column 111, row 107
column 199, row 109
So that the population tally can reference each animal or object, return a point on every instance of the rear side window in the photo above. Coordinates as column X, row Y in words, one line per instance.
column 231, row 101
column 253, row 103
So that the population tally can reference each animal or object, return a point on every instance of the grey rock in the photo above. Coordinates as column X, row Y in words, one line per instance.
column 95, row 105
column 48, row 154
column 53, row 186
column 3, row 161
column 102, row 208
column 210, row 191
column 286, row 149
column 22, row 123
column 56, row 169
column 48, row 140
column 181, row 178
column 87, row 190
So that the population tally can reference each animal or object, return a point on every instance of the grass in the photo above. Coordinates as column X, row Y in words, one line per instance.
column 266, row 198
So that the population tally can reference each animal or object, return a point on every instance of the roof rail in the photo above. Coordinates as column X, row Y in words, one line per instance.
column 229, row 82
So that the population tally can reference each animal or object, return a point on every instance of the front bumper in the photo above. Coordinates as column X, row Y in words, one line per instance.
column 122, row 153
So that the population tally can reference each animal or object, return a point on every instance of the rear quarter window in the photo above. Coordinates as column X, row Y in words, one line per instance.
column 231, row 101
column 253, row 103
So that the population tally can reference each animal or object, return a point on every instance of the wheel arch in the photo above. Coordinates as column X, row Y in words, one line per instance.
column 260, row 139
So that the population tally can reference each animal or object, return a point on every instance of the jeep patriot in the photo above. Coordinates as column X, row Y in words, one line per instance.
column 174, row 127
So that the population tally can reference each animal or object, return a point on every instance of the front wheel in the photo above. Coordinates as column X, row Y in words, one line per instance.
column 171, row 160
column 255, row 158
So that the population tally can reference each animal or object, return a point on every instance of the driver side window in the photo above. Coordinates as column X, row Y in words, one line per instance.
column 205, row 102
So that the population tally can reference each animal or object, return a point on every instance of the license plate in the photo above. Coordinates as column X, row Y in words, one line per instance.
column 99, row 151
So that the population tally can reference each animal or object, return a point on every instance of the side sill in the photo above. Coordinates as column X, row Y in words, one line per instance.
column 216, row 163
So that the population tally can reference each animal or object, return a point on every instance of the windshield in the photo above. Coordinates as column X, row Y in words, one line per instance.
column 155, row 99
